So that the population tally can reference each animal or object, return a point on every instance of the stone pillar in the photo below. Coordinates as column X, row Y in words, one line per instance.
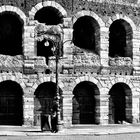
column 28, row 100
column 135, row 108
column 29, row 41
column 104, row 106
column 67, row 109
column 104, row 46
column 136, row 52
column 28, row 111
column 67, row 43
column 29, row 49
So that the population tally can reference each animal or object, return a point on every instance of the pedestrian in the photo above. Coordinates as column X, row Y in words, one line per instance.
column 46, row 122
column 49, row 121
column 54, row 120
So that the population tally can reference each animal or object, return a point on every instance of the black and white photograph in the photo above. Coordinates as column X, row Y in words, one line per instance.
column 69, row 69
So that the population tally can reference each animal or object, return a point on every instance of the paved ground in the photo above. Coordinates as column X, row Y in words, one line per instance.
column 75, row 130
column 133, row 136
column 106, row 137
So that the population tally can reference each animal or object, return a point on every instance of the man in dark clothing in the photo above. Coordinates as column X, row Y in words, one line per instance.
column 54, row 119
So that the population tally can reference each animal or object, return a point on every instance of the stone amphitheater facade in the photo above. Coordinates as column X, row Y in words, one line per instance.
column 92, row 84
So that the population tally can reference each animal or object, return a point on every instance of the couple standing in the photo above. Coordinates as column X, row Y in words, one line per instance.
column 50, row 120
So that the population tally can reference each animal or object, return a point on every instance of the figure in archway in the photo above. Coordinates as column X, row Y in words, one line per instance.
column 44, row 105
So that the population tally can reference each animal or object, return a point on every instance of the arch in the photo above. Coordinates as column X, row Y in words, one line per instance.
column 120, row 103
column 89, row 13
column 86, row 103
column 12, row 78
column 87, row 78
column 11, row 33
column 120, row 80
column 14, row 10
column 44, row 99
column 86, row 34
column 45, row 4
column 46, row 79
column 125, row 18
column 11, row 102
column 120, row 39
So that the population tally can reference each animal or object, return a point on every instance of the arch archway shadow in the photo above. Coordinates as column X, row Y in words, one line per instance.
column 86, row 34
column 120, row 104
column 120, row 39
column 11, row 103
column 44, row 99
column 86, row 104
column 11, row 32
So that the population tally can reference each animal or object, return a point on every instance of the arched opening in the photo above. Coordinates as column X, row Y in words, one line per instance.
column 50, row 16
column 11, row 30
column 120, row 104
column 44, row 97
column 86, row 104
column 11, row 103
column 86, row 34
column 120, row 39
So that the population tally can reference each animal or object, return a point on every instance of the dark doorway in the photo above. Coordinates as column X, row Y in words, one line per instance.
column 120, row 104
column 120, row 39
column 11, row 29
column 11, row 103
column 44, row 97
column 86, row 104
column 86, row 34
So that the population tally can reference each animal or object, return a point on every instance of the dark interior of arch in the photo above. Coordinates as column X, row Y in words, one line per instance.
column 45, row 94
column 11, row 28
column 11, row 102
column 120, row 103
column 120, row 39
column 47, row 89
column 85, row 103
column 49, row 15
column 86, row 34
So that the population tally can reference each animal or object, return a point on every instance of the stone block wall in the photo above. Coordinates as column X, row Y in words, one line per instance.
column 102, row 75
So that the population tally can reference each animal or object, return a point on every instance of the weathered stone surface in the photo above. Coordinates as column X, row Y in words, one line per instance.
column 79, row 65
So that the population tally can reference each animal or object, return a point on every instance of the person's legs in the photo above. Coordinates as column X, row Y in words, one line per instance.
column 49, row 122
column 55, row 125
column 52, row 124
column 42, row 122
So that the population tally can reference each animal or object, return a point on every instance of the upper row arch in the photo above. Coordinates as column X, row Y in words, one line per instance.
column 14, row 9
column 40, row 5
column 100, row 21
column 45, row 4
